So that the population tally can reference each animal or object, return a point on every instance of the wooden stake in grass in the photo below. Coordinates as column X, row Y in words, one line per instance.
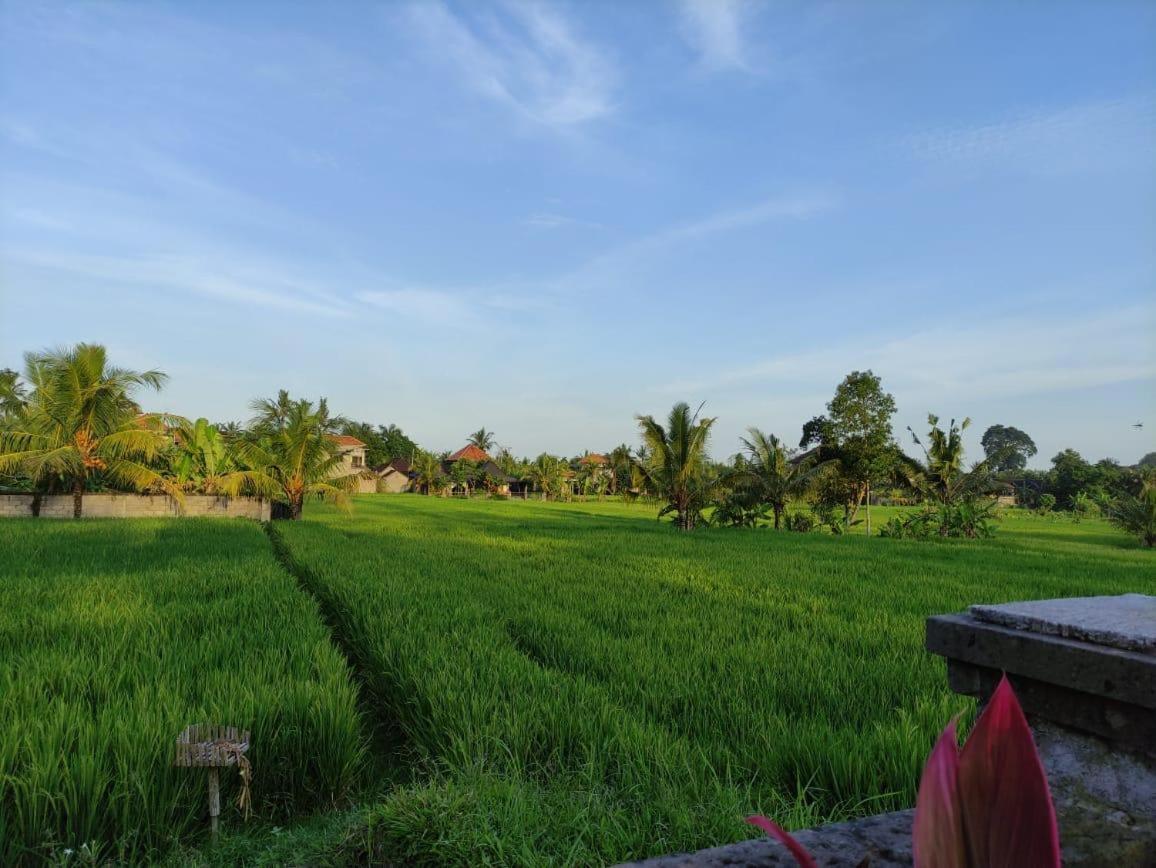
column 211, row 747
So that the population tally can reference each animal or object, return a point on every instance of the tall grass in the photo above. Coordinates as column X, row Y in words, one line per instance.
column 115, row 635
column 580, row 684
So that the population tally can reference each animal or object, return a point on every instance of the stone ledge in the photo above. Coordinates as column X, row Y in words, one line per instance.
column 881, row 841
column 1126, row 621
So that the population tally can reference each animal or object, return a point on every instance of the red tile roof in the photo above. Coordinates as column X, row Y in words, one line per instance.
column 593, row 458
column 345, row 440
column 469, row 453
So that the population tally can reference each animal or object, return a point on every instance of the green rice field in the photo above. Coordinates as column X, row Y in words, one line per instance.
column 488, row 682
column 116, row 634
column 580, row 684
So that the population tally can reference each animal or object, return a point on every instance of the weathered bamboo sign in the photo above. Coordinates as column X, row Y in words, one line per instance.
column 212, row 748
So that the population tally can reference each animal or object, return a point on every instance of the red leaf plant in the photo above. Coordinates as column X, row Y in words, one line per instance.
column 985, row 806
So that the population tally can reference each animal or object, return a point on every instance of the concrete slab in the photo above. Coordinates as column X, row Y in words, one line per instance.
column 1127, row 621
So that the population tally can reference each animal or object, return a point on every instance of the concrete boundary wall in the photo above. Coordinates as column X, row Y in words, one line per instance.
column 137, row 506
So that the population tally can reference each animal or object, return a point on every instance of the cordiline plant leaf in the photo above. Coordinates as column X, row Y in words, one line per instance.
column 938, row 837
column 805, row 859
column 1008, row 816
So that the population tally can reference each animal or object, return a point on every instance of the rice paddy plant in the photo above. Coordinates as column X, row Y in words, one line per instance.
column 580, row 684
column 114, row 636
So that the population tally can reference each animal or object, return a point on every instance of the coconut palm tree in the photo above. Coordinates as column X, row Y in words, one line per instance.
column 273, row 413
column 1137, row 514
column 80, row 422
column 13, row 395
column 941, row 476
column 292, row 455
column 427, row 471
column 769, row 474
column 483, row 439
column 677, row 465
column 620, row 462
column 547, row 473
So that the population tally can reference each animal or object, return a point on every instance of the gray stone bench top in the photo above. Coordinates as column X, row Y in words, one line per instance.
column 1127, row 621
column 881, row 841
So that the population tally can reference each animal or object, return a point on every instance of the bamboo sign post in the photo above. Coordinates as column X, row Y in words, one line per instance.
column 214, row 747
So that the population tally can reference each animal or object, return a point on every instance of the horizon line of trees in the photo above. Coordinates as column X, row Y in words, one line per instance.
column 71, row 424
column 846, row 456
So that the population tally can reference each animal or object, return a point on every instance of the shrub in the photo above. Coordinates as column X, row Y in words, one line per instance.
column 1137, row 515
column 967, row 520
column 740, row 508
column 799, row 522
column 1083, row 506
column 1047, row 503
column 829, row 516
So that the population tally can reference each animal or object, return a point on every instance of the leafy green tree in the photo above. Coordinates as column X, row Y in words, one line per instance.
column 857, row 433
column 489, row 480
column 768, row 475
column 1070, row 475
column 483, row 439
column 383, row 443
column 395, row 443
column 462, row 474
column 677, row 466
column 1148, row 460
column 1007, row 449
column 292, row 455
column 81, row 424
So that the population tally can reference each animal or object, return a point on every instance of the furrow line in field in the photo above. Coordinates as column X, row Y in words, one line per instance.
column 391, row 752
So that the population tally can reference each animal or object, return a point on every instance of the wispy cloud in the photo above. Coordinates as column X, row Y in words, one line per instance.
column 454, row 307
column 716, row 30
column 546, row 220
column 1087, row 135
column 523, row 55
column 788, row 207
column 1012, row 357
column 428, row 306
column 238, row 282
column 622, row 260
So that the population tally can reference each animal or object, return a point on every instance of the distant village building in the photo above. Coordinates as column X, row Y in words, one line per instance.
column 352, row 452
column 485, row 464
column 398, row 476
column 395, row 477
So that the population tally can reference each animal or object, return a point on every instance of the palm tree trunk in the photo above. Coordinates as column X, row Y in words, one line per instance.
column 77, row 498
column 36, row 504
column 778, row 507
column 296, row 506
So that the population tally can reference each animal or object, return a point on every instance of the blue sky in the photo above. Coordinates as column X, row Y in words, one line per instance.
column 544, row 218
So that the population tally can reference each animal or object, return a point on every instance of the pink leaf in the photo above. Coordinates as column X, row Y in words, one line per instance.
column 1008, row 817
column 938, row 834
column 783, row 837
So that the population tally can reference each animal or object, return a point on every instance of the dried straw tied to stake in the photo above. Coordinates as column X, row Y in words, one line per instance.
column 213, row 747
